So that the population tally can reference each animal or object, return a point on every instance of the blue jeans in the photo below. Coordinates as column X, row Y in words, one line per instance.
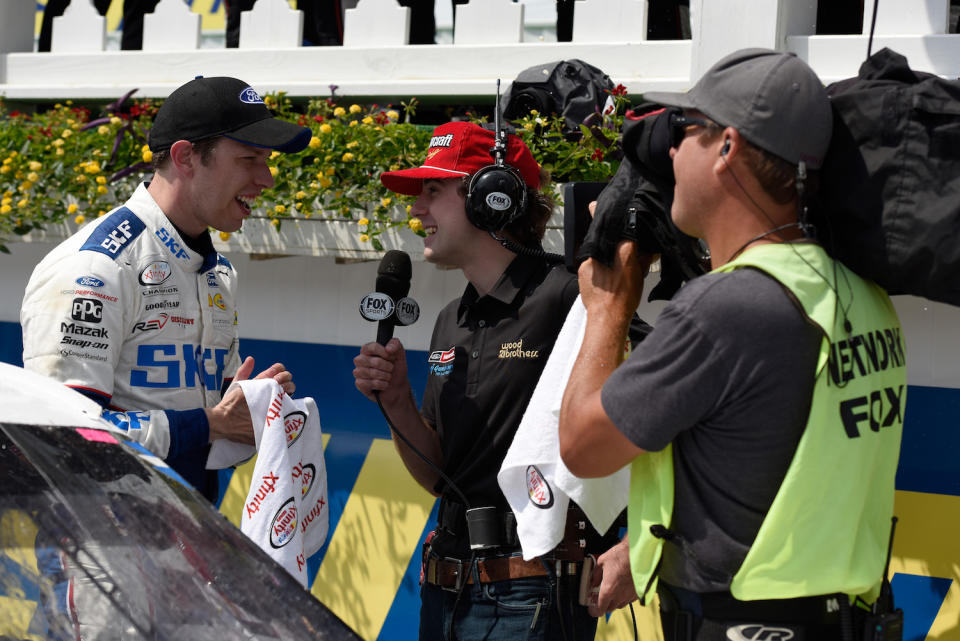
column 531, row 609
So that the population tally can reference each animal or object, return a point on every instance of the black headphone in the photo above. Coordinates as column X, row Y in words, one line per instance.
column 496, row 194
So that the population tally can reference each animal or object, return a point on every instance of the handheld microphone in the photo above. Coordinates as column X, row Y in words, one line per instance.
column 389, row 305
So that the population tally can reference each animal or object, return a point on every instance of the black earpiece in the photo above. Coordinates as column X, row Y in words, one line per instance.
column 726, row 147
column 496, row 196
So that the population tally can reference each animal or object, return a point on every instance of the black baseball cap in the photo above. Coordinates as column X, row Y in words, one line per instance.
column 774, row 99
column 223, row 106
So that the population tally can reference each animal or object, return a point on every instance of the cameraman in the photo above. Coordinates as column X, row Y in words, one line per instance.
column 763, row 417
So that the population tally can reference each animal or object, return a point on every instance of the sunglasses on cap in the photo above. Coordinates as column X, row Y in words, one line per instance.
column 679, row 123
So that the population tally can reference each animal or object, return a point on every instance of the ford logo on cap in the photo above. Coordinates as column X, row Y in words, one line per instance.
column 250, row 97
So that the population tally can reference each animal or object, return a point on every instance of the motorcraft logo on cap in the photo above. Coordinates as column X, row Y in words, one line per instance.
column 441, row 141
column 250, row 97
column 284, row 524
column 538, row 489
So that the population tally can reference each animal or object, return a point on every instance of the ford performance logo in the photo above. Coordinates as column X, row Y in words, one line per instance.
column 89, row 281
column 250, row 97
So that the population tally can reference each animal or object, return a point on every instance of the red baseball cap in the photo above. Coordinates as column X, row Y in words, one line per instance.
column 461, row 149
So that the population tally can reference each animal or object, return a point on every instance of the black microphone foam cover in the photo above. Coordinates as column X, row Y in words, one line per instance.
column 394, row 273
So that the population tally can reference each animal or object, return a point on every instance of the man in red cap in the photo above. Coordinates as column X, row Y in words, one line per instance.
column 488, row 349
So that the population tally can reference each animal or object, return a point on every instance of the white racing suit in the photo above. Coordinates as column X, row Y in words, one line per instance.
column 124, row 312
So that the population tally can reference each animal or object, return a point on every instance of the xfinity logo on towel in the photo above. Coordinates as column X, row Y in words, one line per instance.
column 293, row 424
column 758, row 632
column 538, row 489
column 306, row 474
column 267, row 485
column 314, row 512
column 284, row 525
column 250, row 97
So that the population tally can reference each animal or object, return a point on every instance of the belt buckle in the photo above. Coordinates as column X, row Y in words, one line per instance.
column 459, row 574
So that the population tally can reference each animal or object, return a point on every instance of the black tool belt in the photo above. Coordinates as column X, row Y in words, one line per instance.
column 690, row 616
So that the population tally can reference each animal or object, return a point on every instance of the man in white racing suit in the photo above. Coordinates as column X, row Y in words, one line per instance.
column 137, row 310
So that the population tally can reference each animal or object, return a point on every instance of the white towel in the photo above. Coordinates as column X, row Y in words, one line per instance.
column 533, row 478
column 286, row 511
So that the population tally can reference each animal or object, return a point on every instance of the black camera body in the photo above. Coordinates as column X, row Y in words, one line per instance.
column 572, row 89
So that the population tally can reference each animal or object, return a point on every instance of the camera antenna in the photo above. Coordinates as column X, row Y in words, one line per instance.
column 499, row 150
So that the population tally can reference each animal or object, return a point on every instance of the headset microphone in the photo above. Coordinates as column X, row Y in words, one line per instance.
column 389, row 304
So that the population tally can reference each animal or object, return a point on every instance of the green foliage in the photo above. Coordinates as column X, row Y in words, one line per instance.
column 60, row 164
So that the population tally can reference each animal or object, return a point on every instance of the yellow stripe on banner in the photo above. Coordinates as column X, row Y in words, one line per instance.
column 236, row 495
column 374, row 541
column 18, row 536
column 926, row 544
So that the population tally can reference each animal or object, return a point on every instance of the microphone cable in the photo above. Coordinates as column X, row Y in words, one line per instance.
column 522, row 250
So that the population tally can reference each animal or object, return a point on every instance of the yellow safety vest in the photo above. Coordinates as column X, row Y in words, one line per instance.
column 828, row 527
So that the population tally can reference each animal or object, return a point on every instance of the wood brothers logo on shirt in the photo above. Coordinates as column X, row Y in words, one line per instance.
column 515, row 350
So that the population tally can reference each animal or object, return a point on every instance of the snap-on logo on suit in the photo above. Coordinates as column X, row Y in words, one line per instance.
column 250, row 97
column 284, row 524
column 538, row 489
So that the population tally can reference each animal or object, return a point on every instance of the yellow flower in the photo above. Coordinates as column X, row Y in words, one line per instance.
column 314, row 184
column 347, row 157
column 7, row 161
column 101, row 189
column 367, row 120
column 33, row 177
column 364, row 238
column 101, row 213
column 528, row 126
column 80, row 219
column 59, row 151
column 415, row 224
column 26, row 185
column 392, row 115
column 534, row 112
column 5, row 209
column 23, row 203
column 314, row 142
column 315, row 160
column 352, row 144
column 13, row 154
column 300, row 195
column 114, row 120
column 58, row 142
column 145, row 148
column 386, row 201
column 81, row 178
column 66, row 133
column 6, row 200
column 93, row 168
column 394, row 167
column 34, row 165
column 325, row 129
column 409, row 207
column 298, row 205
column 353, row 123
column 224, row 236
column 101, row 180
column 339, row 112
column 274, row 171
column 325, row 182
column 280, row 209
column 276, row 223
column 330, row 171
column 355, row 109
column 103, row 130
column 274, row 154
column 69, row 102
column 72, row 208
column 363, row 221
column 147, row 156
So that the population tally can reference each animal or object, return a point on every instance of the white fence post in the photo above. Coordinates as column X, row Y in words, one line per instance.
column 481, row 22
column 16, row 27
column 172, row 26
column 720, row 27
column 610, row 21
column 79, row 29
column 376, row 23
column 271, row 24
column 903, row 17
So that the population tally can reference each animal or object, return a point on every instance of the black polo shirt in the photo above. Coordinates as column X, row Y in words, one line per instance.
column 485, row 360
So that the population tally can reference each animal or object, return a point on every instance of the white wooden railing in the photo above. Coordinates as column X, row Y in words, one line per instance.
column 488, row 44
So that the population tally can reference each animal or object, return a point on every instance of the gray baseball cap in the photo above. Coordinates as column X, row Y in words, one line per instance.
column 772, row 98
